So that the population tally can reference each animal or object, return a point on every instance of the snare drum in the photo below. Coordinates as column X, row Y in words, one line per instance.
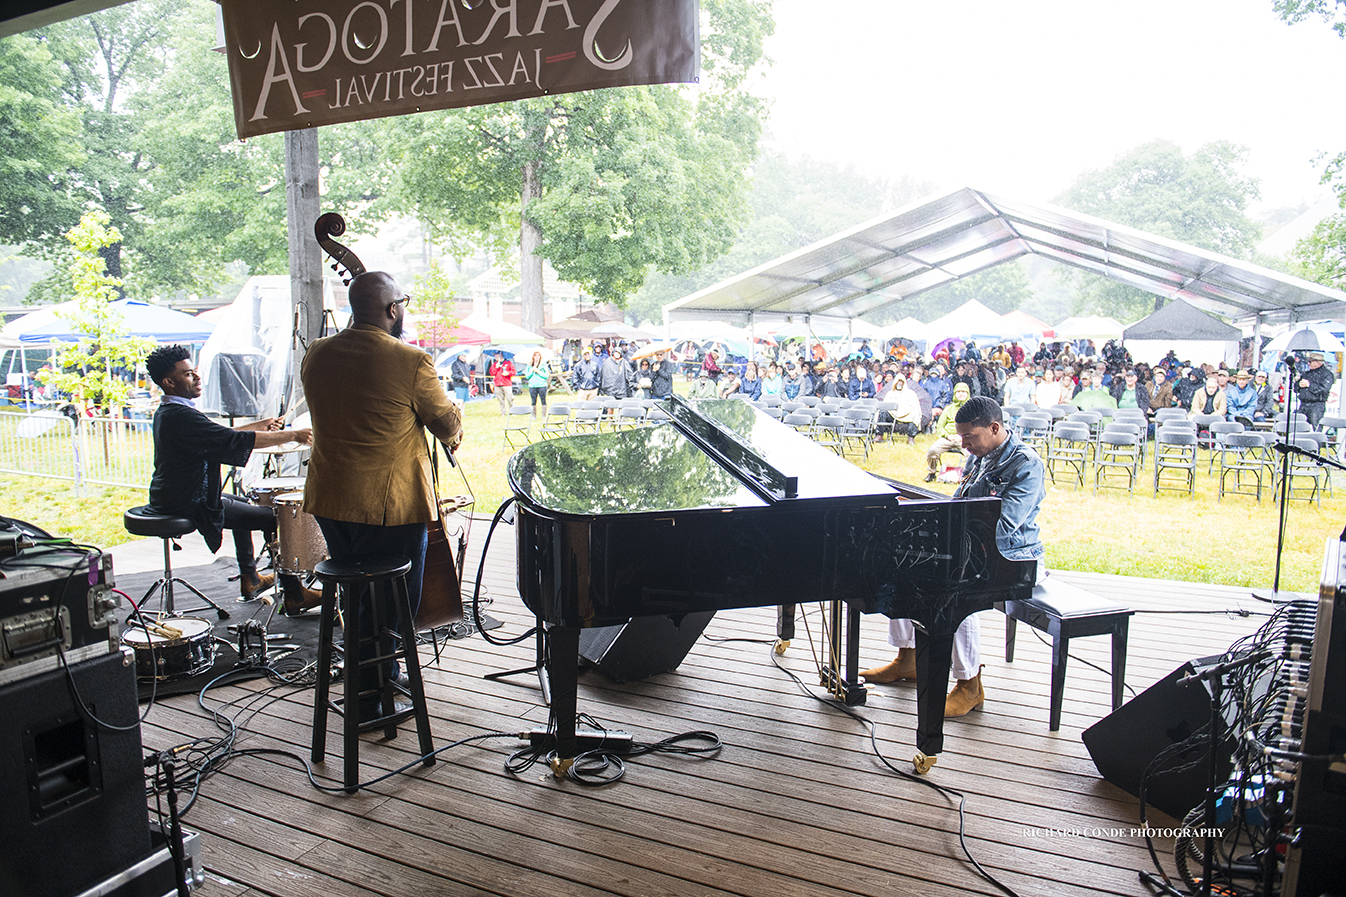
column 165, row 657
column 302, row 546
column 264, row 491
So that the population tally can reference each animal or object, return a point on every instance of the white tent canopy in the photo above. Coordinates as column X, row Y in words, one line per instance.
column 1094, row 327
column 974, row 321
column 500, row 331
column 939, row 240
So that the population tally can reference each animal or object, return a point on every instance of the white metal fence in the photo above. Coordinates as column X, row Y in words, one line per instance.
column 106, row 451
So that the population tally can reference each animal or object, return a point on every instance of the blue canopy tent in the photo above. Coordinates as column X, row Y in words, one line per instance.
column 163, row 325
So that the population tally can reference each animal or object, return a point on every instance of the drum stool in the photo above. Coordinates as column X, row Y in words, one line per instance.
column 381, row 574
column 141, row 521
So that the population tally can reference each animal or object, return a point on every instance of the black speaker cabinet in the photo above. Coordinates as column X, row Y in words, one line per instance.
column 72, row 793
column 1123, row 743
column 242, row 380
column 645, row 646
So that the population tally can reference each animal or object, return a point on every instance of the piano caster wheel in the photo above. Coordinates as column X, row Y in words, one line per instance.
column 782, row 644
column 923, row 763
column 560, row 767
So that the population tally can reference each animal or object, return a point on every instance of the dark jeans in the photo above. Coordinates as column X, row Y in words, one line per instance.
column 353, row 541
column 536, row 393
column 241, row 518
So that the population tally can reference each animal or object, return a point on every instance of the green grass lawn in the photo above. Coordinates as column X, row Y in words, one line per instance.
column 1175, row 536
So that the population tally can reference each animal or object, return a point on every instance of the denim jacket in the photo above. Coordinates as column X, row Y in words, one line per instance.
column 1014, row 473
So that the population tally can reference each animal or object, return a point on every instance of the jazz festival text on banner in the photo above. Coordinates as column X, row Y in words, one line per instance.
column 318, row 62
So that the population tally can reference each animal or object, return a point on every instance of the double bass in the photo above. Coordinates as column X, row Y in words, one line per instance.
column 441, row 580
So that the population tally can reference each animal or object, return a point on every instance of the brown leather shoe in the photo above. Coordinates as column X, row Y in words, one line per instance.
column 903, row 666
column 966, row 696
column 299, row 600
column 249, row 584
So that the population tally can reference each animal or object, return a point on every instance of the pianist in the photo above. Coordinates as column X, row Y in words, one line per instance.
column 1000, row 465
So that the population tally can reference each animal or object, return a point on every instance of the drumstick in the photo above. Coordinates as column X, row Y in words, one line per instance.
column 169, row 632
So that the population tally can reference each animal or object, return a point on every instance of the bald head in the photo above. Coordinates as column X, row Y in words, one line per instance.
column 374, row 298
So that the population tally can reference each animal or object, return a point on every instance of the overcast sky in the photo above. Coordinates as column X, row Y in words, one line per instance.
column 1020, row 98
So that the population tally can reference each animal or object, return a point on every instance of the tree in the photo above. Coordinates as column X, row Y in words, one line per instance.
column 1321, row 256
column 39, row 145
column 1200, row 199
column 609, row 182
column 1331, row 11
column 88, row 370
column 794, row 204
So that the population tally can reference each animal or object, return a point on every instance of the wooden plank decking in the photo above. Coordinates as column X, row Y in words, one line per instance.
column 794, row 804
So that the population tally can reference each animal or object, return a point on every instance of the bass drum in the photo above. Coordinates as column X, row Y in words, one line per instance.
column 164, row 657
column 302, row 546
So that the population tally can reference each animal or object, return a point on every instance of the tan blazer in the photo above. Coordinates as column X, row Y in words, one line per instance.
column 371, row 398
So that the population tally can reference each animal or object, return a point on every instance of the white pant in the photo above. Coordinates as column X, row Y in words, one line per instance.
column 966, row 661
column 966, row 644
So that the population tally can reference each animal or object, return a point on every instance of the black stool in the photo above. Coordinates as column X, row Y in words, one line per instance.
column 380, row 574
column 142, row 521
column 1065, row 611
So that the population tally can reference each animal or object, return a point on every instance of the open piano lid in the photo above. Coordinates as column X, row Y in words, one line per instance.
column 721, row 453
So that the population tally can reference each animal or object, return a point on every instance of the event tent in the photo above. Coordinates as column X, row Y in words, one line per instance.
column 163, row 325
column 500, row 331
column 1195, row 335
column 974, row 321
column 1099, row 328
column 936, row 241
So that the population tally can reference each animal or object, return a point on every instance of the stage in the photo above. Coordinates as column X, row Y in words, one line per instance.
column 794, row 804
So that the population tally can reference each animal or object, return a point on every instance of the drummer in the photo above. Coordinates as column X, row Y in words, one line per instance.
column 188, row 451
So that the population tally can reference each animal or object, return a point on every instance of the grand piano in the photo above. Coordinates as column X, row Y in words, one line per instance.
column 722, row 506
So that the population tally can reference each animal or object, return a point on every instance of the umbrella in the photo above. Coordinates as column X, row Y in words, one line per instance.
column 618, row 329
column 1316, row 337
column 154, row 322
column 651, row 350
column 569, row 328
column 515, row 350
column 448, row 355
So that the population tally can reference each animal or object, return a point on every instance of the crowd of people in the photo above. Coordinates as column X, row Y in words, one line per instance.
column 924, row 388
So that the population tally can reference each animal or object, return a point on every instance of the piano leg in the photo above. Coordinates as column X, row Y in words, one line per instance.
column 563, row 664
column 785, row 627
column 934, row 656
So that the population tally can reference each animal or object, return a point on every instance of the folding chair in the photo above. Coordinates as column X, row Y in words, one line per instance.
column 518, row 423
column 857, row 429
column 1069, row 449
column 557, row 422
column 1174, row 451
column 827, row 431
column 1218, row 431
column 1035, row 429
column 1117, row 453
column 1241, row 457
column 1305, row 468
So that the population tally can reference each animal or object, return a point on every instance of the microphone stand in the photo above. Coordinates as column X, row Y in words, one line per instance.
column 1285, row 471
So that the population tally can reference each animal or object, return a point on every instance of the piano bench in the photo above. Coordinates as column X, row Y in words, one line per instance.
column 1064, row 611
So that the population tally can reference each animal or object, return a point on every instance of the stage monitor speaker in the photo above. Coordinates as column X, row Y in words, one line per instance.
column 1123, row 743
column 645, row 646
column 242, row 381
column 73, row 791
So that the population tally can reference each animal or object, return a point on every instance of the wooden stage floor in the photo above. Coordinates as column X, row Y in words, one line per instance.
column 794, row 804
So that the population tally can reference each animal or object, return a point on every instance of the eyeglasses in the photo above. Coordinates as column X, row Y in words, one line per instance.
column 404, row 301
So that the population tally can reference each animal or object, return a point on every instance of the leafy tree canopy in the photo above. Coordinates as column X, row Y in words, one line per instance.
column 603, row 184
column 39, row 145
column 1331, row 11
column 1200, row 199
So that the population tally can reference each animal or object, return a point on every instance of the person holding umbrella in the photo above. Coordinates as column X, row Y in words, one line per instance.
column 1314, row 385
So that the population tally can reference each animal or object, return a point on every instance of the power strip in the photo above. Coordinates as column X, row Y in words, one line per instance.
column 586, row 739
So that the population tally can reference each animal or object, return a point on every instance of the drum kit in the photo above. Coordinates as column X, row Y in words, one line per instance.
column 172, row 648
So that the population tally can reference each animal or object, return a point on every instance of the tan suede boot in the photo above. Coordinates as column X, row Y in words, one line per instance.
column 903, row 666
column 966, row 696
column 249, row 584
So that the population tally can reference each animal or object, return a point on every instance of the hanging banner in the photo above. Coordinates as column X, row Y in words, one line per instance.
column 318, row 62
